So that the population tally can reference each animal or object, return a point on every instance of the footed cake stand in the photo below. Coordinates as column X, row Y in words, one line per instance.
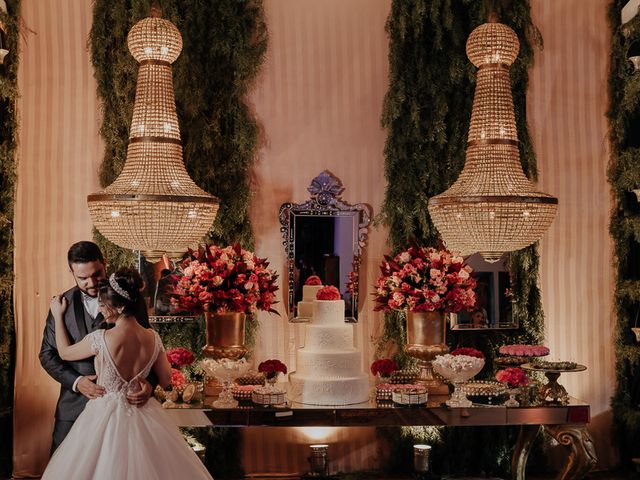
column 552, row 392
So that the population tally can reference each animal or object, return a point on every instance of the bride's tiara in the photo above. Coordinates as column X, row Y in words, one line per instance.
column 117, row 288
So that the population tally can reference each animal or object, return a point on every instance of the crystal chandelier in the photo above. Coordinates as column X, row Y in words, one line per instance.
column 153, row 205
column 492, row 207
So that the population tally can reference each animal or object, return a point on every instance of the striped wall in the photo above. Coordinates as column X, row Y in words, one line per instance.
column 58, row 154
column 319, row 99
column 567, row 102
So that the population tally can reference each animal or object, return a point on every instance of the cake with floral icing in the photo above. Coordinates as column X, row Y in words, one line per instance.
column 328, row 367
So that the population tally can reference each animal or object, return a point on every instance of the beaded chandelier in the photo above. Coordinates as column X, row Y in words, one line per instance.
column 492, row 207
column 153, row 205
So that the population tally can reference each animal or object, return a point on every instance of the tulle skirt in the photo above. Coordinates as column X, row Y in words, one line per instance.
column 113, row 440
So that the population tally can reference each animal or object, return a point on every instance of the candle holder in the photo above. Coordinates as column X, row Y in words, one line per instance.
column 421, row 455
column 318, row 461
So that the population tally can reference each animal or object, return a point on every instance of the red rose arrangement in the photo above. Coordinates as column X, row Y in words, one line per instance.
column 328, row 293
column 425, row 279
column 384, row 367
column 271, row 368
column 468, row 351
column 514, row 377
column 180, row 357
column 313, row 280
column 225, row 279
column 177, row 378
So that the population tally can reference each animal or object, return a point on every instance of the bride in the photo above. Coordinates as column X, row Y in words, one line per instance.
column 112, row 439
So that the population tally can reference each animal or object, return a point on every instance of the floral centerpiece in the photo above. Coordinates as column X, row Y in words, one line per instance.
column 425, row 279
column 515, row 378
column 383, row 368
column 270, row 394
column 226, row 283
column 184, row 378
column 426, row 283
column 225, row 279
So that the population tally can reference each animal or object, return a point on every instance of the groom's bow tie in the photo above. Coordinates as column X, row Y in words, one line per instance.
column 99, row 322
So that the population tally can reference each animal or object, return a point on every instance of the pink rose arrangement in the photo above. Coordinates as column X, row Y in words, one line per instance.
column 425, row 279
column 383, row 367
column 520, row 350
column 225, row 279
column 468, row 351
column 271, row 368
column 177, row 378
column 328, row 293
column 180, row 357
column 514, row 377
column 313, row 280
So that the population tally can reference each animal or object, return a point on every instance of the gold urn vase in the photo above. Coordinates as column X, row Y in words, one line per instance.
column 225, row 335
column 425, row 340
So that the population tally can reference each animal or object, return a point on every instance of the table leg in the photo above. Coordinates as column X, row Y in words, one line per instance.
column 527, row 435
column 581, row 453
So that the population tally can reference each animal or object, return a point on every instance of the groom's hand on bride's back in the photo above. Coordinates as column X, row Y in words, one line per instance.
column 139, row 397
column 87, row 387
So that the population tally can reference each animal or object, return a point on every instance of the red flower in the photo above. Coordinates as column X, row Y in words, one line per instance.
column 384, row 367
column 424, row 279
column 179, row 357
column 177, row 378
column 271, row 368
column 328, row 293
column 229, row 279
column 470, row 352
column 313, row 280
column 514, row 377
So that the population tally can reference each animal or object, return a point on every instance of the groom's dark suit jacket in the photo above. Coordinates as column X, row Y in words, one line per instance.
column 78, row 323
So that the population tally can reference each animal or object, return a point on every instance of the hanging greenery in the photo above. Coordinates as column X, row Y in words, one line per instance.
column 624, row 176
column 8, row 130
column 427, row 111
column 224, row 43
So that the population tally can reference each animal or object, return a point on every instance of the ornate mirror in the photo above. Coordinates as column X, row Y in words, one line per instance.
column 493, row 305
column 324, row 236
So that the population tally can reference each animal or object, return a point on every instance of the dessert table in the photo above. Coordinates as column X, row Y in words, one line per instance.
column 565, row 423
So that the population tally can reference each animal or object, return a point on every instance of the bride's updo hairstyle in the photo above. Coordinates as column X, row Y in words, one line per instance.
column 122, row 289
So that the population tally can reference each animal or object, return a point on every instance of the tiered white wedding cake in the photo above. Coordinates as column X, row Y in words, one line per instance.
column 328, row 367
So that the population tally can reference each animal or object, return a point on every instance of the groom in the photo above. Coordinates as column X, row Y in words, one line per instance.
column 77, row 378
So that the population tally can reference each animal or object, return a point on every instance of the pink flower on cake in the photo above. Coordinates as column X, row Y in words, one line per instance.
column 424, row 279
column 383, row 367
column 313, row 280
column 225, row 279
column 514, row 377
column 468, row 351
column 272, row 368
column 179, row 357
column 328, row 293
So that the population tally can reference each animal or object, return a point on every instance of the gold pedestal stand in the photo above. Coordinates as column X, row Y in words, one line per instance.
column 426, row 340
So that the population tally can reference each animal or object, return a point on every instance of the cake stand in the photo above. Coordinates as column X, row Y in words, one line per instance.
column 552, row 392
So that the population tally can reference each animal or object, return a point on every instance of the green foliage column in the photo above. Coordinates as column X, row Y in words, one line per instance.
column 8, row 131
column 224, row 43
column 624, row 176
column 427, row 113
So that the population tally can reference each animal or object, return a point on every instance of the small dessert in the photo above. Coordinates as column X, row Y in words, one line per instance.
column 410, row 395
column 555, row 365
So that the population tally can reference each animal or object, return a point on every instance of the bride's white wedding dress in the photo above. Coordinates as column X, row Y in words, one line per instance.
column 114, row 440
